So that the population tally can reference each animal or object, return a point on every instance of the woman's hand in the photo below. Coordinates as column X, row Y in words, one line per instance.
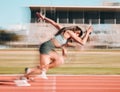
column 39, row 15
column 90, row 29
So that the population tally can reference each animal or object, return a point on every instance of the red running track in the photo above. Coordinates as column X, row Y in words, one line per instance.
column 65, row 83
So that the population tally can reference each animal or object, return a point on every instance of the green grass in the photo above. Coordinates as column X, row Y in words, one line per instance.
column 67, row 70
column 11, row 70
column 85, row 70
column 13, row 61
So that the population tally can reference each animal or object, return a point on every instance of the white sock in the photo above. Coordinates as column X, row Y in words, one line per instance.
column 29, row 70
column 43, row 72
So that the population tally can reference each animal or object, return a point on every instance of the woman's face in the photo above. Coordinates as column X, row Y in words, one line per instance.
column 77, row 33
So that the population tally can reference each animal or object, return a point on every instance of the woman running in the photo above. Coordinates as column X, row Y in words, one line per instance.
column 49, row 58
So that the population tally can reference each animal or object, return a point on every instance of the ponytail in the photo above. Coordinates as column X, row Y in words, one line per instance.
column 72, row 28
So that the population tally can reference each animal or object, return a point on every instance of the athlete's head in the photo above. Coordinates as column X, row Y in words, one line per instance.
column 75, row 29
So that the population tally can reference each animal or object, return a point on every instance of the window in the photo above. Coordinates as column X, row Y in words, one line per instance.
column 107, row 17
column 91, row 17
column 117, row 17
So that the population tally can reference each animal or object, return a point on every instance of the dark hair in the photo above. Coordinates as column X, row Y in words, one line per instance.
column 72, row 28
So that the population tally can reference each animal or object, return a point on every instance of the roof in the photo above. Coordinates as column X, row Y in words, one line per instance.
column 103, row 8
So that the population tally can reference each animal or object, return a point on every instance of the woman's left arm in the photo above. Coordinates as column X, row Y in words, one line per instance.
column 64, row 51
column 71, row 44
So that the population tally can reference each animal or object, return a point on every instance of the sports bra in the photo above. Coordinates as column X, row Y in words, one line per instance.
column 60, row 39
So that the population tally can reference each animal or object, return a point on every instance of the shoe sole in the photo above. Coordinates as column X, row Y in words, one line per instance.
column 21, row 83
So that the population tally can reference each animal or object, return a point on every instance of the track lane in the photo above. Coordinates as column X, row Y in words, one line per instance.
column 65, row 83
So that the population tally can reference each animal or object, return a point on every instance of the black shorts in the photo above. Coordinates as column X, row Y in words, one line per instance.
column 46, row 47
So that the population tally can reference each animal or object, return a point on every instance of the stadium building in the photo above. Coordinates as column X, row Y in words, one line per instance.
column 79, row 15
column 105, row 21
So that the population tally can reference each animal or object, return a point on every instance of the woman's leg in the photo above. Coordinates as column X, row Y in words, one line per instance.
column 32, row 71
column 57, row 62
column 49, row 61
column 54, row 60
column 46, row 61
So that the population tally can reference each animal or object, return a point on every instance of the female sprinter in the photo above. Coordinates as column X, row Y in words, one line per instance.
column 49, row 58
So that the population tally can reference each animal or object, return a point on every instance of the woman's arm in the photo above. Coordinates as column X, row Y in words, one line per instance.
column 70, row 44
column 64, row 51
column 83, row 40
column 58, row 26
column 86, row 37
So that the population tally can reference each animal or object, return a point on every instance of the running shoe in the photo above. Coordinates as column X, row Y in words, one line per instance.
column 23, row 78
column 43, row 76
column 21, row 83
column 27, row 70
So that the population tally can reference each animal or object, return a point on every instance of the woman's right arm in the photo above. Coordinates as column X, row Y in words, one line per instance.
column 83, row 40
column 58, row 26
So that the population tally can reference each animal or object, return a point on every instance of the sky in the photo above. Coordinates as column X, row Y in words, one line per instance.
column 15, row 12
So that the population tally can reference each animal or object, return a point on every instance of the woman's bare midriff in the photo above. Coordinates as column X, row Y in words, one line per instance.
column 56, row 43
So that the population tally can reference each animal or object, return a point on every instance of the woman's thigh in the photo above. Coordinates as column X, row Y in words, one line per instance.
column 52, row 57
column 56, row 58
column 44, row 59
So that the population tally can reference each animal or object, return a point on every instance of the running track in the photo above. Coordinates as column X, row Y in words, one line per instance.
column 65, row 83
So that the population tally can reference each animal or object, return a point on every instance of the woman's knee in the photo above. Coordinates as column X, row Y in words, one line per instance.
column 60, row 61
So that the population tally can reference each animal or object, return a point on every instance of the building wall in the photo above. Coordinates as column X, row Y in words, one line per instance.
column 79, row 16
